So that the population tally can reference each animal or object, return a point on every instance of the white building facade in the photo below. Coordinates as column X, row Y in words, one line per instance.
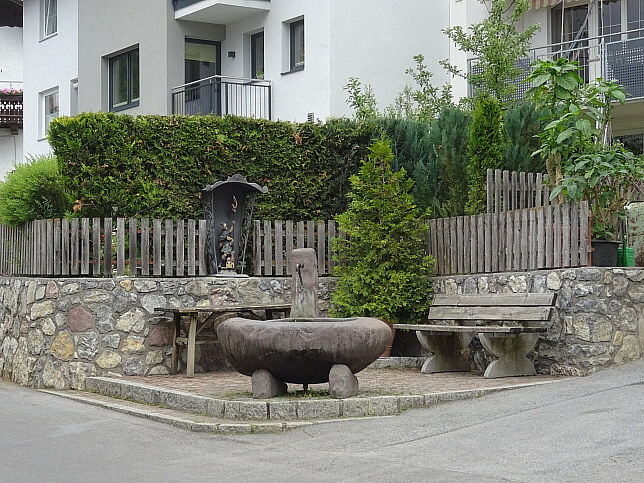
column 278, row 59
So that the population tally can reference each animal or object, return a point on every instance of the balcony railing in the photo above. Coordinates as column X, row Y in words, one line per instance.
column 11, row 112
column 617, row 57
column 221, row 95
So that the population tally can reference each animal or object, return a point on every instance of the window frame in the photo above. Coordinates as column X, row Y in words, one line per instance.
column 253, row 55
column 44, row 119
column 46, row 16
column 130, row 101
column 293, row 66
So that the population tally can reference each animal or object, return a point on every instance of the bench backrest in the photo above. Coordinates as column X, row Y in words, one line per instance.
column 504, row 307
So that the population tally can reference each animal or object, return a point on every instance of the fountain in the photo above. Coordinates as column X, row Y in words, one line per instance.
column 304, row 348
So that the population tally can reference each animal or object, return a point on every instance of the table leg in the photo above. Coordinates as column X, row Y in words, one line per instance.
column 174, row 362
column 192, row 334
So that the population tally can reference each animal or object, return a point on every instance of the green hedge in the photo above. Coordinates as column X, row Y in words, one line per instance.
column 156, row 166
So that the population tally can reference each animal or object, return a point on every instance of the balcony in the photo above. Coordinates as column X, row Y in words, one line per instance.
column 11, row 112
column 212, row 11
column 617, row 57
column 221, row 95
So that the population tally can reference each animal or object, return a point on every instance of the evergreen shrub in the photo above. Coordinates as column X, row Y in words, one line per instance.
column 485, row 150
column 383, row 270
column 156, row 166
column 33, row 190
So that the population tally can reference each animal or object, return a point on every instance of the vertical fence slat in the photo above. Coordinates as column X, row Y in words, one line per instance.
column 145, row 247
column 574, row 235
column 64, row 247
column 74, row 260
column 107, row 247
column 541, row 238
column 96, row 247
column 191, row 248
column 502, row 241
column 489, row 182
column 268, row 249
column 498, row 188
column 49, row 248
column 180, row 247
column 321, row 236
column 203, row 240
column 467, row 242
column 549, row 240
column 473, row 244
column 279, row 248
column 156, row 247
column 133, row 228
column 169, row 248
column 506, row 190
column 584, row 239
column 513, row 187
column 487, row 220
column 557, row 236
column 538, row 190
column 480, row 242
column 532, row 239
column 289, row 245
column 85, row 246
column 565, row 240
column 331, row 236
column 310, row 234
column 257, row 246
column 300, row 234
column 439, row 247
column 42, row 254
column 495, row 253
column 452, row 246
column 460, row 251
column 120, row 246
column 524, row 239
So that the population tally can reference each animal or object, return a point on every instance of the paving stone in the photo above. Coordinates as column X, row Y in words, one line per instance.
column 383, row 405
column 355, row 407
column 283, row 409
column 253, row 410
column 320, row 409
column 411, row 402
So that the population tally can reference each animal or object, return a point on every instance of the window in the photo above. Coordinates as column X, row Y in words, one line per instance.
column 49, row 17
column 297, row 45
column 124, row 80
column 49, row 108
column 257, row 55
column 635, row 18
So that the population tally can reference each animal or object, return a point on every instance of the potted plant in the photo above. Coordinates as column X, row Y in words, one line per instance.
column 383, row 269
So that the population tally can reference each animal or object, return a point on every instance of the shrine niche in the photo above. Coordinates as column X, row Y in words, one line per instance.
column 228, row 207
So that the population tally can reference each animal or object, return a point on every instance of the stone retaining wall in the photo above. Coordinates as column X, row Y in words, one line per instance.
column 56, row 332
column 599, row 319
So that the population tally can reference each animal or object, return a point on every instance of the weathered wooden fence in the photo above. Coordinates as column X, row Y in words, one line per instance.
column 526, row 239
column 513, row 190
column 100, row 247
column 274, row 240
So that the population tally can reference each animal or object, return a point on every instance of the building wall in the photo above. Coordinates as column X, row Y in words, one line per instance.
column 10, row 151
column 10, row 56
column 49, row 63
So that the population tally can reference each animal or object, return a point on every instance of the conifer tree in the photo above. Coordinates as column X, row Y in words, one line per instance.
column 383, row 270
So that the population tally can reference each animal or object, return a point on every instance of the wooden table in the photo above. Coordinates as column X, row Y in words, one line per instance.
column 195, row 328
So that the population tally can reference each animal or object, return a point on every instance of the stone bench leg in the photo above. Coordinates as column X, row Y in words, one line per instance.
column 511, row 351
column 447, row 349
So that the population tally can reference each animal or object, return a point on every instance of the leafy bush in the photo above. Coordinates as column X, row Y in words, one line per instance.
column 156, row 166
column 485, row 150
column 33, row 190
column 382, row 270
column 522, row 123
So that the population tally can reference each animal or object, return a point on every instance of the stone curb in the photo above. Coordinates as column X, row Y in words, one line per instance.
column 190, row 425
column 281, row 411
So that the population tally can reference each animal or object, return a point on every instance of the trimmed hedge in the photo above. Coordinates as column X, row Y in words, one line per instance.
column 156, row 166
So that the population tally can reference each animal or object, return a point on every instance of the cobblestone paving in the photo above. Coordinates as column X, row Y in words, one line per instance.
column 389, row 381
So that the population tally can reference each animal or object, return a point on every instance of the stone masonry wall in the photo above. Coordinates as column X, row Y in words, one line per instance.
column 599, row 319
column 56, row 332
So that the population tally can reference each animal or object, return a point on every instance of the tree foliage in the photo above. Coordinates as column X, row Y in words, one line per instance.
column 485, row 150
column 33, row 190
column 497, row 44
column 382, row 269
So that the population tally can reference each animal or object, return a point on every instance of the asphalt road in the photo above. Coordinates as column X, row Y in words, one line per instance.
column 586, row 429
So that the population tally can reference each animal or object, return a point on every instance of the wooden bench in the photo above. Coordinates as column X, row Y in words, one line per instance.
column 196, row 327
column 508, row 326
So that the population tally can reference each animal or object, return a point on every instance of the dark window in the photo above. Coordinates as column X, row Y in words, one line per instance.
column 124, row 80
column 611, row 19
column 632, row 142
column 297, row 45
column 635, row 18
column 257, row 55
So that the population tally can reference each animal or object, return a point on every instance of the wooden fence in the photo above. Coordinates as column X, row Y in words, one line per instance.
column 97, row 247
column 513, row 190
column 274, row 240
column 527, row 239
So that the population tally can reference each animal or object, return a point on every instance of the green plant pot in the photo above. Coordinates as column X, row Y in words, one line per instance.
column 604, row 253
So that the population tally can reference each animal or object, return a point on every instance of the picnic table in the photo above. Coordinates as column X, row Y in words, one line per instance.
column 197, row 327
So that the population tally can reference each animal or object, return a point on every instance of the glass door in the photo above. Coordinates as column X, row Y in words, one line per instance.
column 202, row 62
column 570, row 34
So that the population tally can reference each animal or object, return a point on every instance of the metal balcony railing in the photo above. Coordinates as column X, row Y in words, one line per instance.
column 223, row 95
column 617, row 57
column 11, row 112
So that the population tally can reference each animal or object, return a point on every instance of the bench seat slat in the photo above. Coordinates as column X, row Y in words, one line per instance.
column 489, row 313
column 489, row 300
column 471, row 328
